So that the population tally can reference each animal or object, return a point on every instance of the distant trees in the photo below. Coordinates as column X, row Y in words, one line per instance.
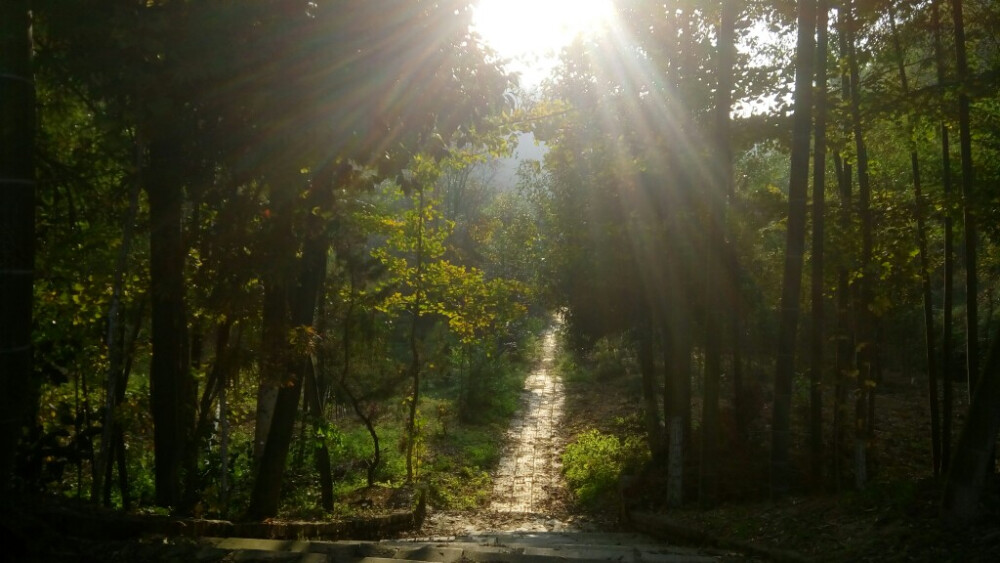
column 634, row 166
column 243, row 204
column 251, row 129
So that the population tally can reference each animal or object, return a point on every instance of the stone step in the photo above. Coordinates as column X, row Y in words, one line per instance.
column 492, row 549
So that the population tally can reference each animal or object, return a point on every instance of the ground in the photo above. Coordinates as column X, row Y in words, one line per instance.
column 894, row 519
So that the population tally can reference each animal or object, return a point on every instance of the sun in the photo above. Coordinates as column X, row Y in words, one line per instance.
column 531, row 32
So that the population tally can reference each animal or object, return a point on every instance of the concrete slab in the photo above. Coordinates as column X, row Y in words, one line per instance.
column 259, row 556
column 293, row 546
column 435, row 553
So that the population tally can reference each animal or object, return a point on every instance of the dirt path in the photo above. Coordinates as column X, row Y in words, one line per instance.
column 529, row 473
column 529, row 494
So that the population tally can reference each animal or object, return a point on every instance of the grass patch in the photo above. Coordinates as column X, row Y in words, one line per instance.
column 594, row 461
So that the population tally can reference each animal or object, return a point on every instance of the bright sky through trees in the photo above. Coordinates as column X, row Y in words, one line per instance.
column 531, row 32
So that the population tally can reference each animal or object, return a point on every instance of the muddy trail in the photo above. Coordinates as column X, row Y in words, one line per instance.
column 529, row 493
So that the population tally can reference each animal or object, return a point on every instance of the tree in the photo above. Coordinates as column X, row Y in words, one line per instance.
column 974, row 452
column 968, row 201
column 920, row 213
column 816, row 335
column 795, row 248
column 947, row 398
column 716, row 279
column 17, row 225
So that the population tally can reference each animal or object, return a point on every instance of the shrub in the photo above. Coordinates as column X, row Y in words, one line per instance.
column 593, row 462
column 612, row 356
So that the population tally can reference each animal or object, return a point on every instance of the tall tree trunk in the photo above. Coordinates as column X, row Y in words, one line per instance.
column 647, row 369
column 868, row 345
column 845, row 332
column 677, row 360
column 794, row 249
column 290, row 308
column 920, row 213
column 213, row 389
column 311, row 292
column 17, row 223
column 411, row 423
column 947, row 341
column 171, row 385
column 816, row 335
column 716, row 266
column 232, row 368
column 974, row 452
column 968, row 202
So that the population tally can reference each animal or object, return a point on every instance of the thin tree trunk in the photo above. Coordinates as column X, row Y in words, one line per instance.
column 947, row 341
column 868, row 345
column 818, row 209
column 116, row 351
column 647, row 369
column 974, row 452
column 317, row 249
column 920, row 213
column 845, row 333
column 212, row 390
column 411, row 424
column 369, row 423
column 674, row 349
column 297, row 309
column 968, row 202
column 17, row 222
column 119, row 432
column 794, row 250
column 233, row 368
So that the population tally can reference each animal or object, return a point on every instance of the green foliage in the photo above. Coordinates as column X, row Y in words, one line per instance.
column 613, row 356
column 469, row 489
column 594, row 461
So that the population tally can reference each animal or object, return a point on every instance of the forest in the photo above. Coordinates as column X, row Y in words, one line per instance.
column 258, row 256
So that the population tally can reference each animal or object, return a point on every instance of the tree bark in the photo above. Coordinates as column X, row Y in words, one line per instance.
column 974, row 452
column 310, row 293
column 171, row 386
column 115, row 342
column 920, row 214
column 17, row 223
column 794, row 250
column 947, row 341
column 816, row 335
column 867, row 346
column 415, row 313
column 968, row 201
column 716, row 280
column 289, row 308
column 647, row 369
column 677, row 360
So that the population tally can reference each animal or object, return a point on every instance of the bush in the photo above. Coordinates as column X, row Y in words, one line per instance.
column 594, row 461
column 612, row 356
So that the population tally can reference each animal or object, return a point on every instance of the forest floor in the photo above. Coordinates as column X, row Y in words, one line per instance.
column 895, row 518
